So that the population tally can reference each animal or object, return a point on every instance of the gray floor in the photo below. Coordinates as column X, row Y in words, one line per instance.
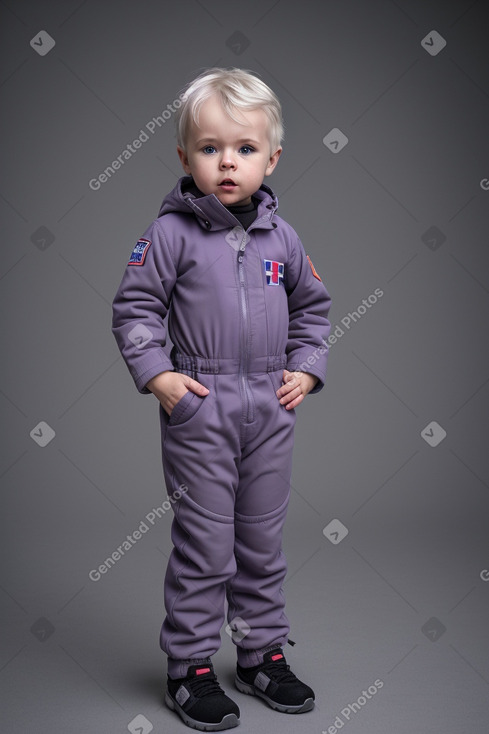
column 361, row 612
column 387, row 536
column 356, row 628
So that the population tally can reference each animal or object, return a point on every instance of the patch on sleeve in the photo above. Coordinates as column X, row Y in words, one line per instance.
column 138, row 255
column 314, row 271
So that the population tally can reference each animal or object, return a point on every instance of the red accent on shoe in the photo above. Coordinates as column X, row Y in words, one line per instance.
column 277, row 657
column 201, row 671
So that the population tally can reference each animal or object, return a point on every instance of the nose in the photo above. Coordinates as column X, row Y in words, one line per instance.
column 227, row 160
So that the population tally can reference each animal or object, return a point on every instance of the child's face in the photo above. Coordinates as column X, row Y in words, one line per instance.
column 221, row 149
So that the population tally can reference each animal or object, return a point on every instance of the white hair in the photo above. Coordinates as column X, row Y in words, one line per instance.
column 237, row 89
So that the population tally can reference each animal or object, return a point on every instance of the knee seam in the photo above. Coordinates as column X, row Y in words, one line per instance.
column 267, row 516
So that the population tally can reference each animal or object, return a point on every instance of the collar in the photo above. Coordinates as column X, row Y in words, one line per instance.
column 212, row 214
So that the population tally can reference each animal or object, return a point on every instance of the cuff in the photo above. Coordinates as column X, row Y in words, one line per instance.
column 148, row 369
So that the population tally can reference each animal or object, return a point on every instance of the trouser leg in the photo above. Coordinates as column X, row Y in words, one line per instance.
column 199, row 456
column 255, row 594
column 200, row 563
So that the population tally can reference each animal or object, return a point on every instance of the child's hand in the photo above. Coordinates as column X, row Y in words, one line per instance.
column 297, row 385
column 170, row 386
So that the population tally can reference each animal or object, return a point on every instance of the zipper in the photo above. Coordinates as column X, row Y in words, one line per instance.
column 243, row 361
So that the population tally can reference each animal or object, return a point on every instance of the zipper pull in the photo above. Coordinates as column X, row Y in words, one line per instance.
column 242, row 246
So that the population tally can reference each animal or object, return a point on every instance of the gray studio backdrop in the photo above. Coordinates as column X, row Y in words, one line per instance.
column 385, row 176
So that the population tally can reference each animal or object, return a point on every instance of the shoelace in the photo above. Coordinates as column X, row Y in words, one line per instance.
column 279, row 672
column 205, row 685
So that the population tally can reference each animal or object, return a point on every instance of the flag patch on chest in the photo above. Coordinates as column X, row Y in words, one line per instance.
column 274, row 272
column 138, row 255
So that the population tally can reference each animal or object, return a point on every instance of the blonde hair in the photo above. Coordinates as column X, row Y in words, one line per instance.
column 237, row 89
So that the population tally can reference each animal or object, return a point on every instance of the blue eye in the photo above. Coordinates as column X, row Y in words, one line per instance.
column 247, row 148
column 208, row 148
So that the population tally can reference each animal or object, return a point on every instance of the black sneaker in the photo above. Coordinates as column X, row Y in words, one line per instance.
column 200, row 701
column 273, row 681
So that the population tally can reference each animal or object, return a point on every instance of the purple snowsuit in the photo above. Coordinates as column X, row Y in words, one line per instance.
column 242, row 306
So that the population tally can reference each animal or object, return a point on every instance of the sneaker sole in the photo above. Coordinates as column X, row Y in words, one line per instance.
column 228, row 722
column 250, row 690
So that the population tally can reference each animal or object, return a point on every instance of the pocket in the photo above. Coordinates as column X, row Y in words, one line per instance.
column 276, row 380
column 186, row 408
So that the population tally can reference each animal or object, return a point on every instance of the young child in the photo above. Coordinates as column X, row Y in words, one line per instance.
column 247, row 316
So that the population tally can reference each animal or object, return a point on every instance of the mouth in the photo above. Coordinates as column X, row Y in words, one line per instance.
column 227, row 183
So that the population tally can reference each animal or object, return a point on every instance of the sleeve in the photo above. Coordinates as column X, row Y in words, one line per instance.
column 140, row 306
column 309, row 303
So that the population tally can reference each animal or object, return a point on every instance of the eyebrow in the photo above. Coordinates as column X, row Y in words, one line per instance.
column 214, row 140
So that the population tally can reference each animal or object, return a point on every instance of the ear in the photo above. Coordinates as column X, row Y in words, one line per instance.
column 183, row 159
column 273, row 161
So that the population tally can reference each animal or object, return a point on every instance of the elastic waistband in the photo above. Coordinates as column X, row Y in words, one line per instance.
column 227, row 366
